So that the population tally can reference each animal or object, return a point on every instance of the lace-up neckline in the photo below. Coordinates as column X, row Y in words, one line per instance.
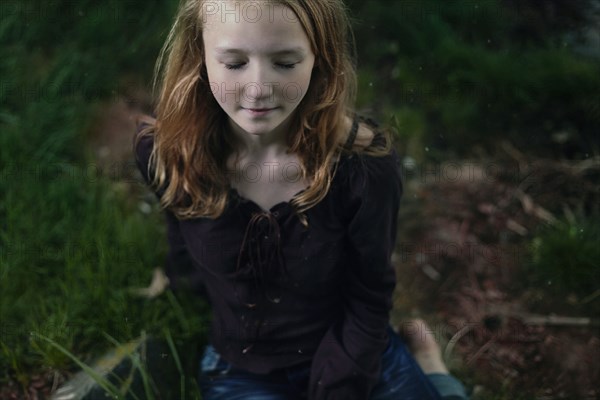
column 260, row 258
column 261, row 261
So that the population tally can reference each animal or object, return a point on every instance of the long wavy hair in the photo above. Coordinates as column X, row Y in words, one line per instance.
column 190, row 150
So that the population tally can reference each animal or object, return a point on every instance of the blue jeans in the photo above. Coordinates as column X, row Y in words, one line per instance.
column 401, row 378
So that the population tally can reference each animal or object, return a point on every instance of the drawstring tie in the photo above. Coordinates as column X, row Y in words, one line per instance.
column 264, row 263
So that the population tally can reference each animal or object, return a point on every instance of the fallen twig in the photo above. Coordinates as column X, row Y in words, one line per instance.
column 533, row 209
column 556, row 320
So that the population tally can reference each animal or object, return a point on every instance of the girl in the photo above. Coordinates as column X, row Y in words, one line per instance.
column 281, row 203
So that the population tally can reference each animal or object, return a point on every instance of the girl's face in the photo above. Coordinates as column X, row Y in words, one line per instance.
column 259, row 62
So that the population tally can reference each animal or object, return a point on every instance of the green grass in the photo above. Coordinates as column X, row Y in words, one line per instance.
column 72, row 245
column 72, row 240
column 564, row 264
column 477, row 73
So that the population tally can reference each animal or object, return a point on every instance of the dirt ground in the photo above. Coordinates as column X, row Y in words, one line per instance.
column 463, row 247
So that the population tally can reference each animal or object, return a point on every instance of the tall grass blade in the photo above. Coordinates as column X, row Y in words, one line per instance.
column 92, row 375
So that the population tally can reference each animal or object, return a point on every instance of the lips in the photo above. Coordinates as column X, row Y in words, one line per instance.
column 259, row 109
column 259, row 112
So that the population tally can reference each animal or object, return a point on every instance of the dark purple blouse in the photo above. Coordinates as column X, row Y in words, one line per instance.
column 284, row 294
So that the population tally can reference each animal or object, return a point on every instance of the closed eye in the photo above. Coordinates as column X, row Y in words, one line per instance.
column 286, row 66
column 234, row 66
column 279, row 65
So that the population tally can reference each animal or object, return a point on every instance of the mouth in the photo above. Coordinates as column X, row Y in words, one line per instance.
column 259, row 111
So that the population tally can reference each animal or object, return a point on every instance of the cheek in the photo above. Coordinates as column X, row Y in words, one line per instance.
column 210, row 70
column 306, row 79
column 212, row 80
column 219, row 86
column 298, row 87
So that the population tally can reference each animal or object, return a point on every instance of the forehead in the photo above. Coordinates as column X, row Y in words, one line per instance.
column 257, row 25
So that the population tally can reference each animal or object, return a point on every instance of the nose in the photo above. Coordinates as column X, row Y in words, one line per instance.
column 260, row 86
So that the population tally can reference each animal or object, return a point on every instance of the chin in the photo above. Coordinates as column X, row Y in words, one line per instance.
column 259, row 127
column 256, row 131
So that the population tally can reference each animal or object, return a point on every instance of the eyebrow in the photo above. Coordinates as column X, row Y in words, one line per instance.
column 282, row 52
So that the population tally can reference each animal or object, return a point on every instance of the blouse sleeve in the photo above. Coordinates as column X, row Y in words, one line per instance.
column 179, row 267
column 347, row 362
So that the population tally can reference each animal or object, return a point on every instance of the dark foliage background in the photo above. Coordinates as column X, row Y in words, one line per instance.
column 466, row 82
